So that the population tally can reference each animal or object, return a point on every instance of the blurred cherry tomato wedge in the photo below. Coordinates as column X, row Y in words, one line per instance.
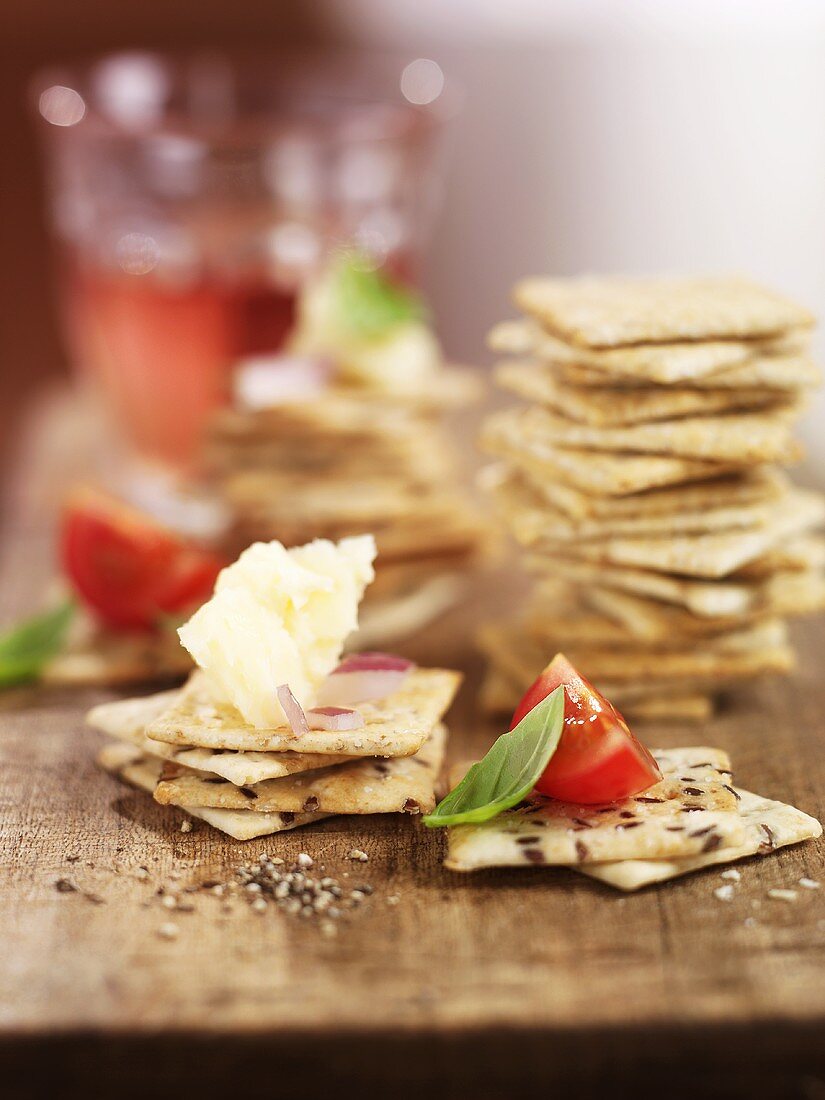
column 598, row 759
column 127, row 569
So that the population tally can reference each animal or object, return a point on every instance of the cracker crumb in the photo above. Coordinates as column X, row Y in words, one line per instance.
column 168, row 931
column 358, row 855
column 732, row 875
column 782, row 895
column 169, row 901
column 723, row 893
column 305, row 861
column 393, row 899
column 810, row 883
column 259, row 905
column 186, row 826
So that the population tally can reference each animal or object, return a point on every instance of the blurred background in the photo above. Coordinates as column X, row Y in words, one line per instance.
column 629, row 135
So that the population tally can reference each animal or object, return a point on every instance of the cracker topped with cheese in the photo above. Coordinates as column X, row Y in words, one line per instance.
column 397, row 725
column 273, row 718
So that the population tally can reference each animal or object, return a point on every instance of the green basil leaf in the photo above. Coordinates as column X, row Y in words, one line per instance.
column 370, row 305
column 26, row 648
column 510, row 769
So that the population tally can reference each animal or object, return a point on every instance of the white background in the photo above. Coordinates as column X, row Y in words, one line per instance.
column 624, row 135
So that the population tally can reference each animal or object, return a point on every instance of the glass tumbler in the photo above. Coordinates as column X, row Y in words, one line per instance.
column 192, row 197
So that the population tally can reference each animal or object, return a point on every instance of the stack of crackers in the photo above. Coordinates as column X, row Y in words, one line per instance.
column 645, row 481
column 192, row 751
column 693, row 818
column 349, row 460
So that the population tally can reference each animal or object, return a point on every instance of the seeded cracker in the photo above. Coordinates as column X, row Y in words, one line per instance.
column 132, row 766
column 532, row 519
column 741, row 438
column 500, row 696
column 662, row 363
column 369, row 786
column 395, row 726
column 710, row 555
column 127, row 719
column 609, row 407
column 756, row 486
column 511, row 648
column 768, row 825
column 598, row 313
column 781, row 373
column 653, row 621
column 95, row 657
column 693, row 810
column 599, row 473
column 709, row 598
column 804, row 553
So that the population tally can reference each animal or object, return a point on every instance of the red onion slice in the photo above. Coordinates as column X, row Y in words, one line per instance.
column 373, row 662
column 364, row 676
column 345, row 688
column 334, row 719
column 265, row 381
column 293, row 710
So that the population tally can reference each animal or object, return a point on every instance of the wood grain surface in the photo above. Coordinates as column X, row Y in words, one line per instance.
column 475, row 985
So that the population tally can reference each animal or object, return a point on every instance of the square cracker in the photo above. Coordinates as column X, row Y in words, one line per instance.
column 132, row 766
column 768, row 825
column 805, row 552
column 626, row 674
column 531, row 519
column 705, row 555
column 368, row 786
column 787, row 592
column 754, row 486
column 596, row 632
column 611, row 312
column 654, row 621
column 692, row 810
column 597, row 473
column 742, row 439
column 500, row 695
column 691, row 706
column 607, row 406
column 700, row 666
column 128, row 719
column 94, row 657
column 641, row 364
column 395, row 726
column 783, row 371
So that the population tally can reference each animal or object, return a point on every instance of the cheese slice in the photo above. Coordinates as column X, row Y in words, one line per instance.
column 279, row 616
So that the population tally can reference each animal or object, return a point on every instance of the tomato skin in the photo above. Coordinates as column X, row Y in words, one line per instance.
column 128, row 570
column 598, row 759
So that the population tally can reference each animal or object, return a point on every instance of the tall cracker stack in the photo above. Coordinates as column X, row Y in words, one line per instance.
column 351, row 459
column 644, row 480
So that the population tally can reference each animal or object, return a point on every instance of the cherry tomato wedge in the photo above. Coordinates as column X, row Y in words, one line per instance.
column 598, row 759
column 128, row 570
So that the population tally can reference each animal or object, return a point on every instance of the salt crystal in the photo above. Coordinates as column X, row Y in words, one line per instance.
column 732, row 875
column 723, row 893
column 782, row 895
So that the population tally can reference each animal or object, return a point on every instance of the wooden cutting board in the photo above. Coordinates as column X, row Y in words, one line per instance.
column 471, row 986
